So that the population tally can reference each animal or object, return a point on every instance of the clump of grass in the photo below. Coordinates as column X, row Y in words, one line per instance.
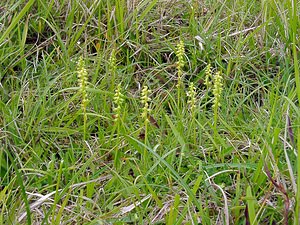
column 33, row 133
column 83, row 85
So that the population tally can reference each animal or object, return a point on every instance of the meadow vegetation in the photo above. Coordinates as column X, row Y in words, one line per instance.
column 149, row 112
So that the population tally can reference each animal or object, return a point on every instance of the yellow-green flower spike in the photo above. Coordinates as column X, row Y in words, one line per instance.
column 217, row 89
column 191, row 94
column 83, row 85
column 145, row 99
column 82, row 82
column 180, row 63
column 208, row 76
column 112, row 62
column 118, row 101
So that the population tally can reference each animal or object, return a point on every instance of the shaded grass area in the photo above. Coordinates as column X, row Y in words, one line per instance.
column 133, row 134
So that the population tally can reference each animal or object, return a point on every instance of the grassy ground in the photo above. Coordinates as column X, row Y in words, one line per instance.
column 149, row 112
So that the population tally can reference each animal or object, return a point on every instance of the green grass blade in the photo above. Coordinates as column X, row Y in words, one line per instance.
column 251, row 206
column 22, row 186
column 16, row 20
column 174, row 173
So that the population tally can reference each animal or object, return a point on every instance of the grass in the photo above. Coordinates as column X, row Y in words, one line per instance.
column 109, row 115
